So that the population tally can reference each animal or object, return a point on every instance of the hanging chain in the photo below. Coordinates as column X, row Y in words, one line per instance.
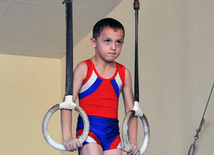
column 198, row 130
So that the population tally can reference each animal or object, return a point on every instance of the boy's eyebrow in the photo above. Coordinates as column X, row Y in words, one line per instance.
column 107, row 37
column 120, row 39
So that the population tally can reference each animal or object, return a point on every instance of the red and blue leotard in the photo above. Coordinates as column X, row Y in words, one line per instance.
column 99, row 98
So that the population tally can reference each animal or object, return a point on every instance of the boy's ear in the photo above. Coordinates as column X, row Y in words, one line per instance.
column 93, row 42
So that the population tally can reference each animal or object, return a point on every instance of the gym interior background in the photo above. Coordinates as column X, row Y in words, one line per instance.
column 176, row 70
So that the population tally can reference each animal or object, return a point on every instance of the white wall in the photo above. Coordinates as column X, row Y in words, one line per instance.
column 176, row 70
column 176, row 75
column 28, row 88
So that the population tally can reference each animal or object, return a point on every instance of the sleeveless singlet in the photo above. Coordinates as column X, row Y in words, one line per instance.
column 99, row 96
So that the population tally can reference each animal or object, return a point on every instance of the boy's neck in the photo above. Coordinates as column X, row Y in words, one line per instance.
column 104, row 69
column 102, row 64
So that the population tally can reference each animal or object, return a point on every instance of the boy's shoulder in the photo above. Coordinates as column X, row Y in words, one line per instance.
column 87, row 62
column 120, row 65
column 81, row 66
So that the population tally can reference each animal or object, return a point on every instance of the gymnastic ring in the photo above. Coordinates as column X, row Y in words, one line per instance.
column 50, row 112
column 146, row 131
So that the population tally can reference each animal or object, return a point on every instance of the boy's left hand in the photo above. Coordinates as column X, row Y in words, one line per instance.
column 133, row 150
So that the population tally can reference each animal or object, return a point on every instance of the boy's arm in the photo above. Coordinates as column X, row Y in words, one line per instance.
column 69, row 141
column 133, row 123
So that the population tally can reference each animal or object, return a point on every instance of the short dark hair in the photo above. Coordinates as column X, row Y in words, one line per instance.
column 104, row 23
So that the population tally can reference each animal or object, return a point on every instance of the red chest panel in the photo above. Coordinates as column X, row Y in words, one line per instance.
column 99, row 96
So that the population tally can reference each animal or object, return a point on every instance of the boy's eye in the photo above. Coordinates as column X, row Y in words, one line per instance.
column 107, row 41
column 119, row 42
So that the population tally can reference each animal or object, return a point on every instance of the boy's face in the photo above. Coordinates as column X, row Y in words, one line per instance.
column 109, row 44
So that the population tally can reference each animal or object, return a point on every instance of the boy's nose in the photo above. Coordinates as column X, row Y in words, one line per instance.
column 113, row 46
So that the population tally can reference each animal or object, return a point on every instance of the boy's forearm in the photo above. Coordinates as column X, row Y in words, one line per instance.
column 66, row 124
column 133, row 126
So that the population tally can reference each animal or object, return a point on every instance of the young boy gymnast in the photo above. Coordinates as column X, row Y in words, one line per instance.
column 98, row 82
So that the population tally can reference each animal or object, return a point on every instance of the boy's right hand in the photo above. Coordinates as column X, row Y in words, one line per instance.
column 72, row 144
column 133, row 150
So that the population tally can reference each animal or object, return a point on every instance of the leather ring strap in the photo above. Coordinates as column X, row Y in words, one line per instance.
column 136, row 110
column 68, row 104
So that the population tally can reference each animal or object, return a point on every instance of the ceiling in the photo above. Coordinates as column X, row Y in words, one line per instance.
column 37, row 27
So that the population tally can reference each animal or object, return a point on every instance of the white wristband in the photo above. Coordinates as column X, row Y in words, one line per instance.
column 68, row 103
column 137, row 109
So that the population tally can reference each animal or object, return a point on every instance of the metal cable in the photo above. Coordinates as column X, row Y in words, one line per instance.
column 198, row 130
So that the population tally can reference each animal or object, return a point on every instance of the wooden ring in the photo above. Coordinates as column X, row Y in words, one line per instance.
column 145, row 127
column 48, row 115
